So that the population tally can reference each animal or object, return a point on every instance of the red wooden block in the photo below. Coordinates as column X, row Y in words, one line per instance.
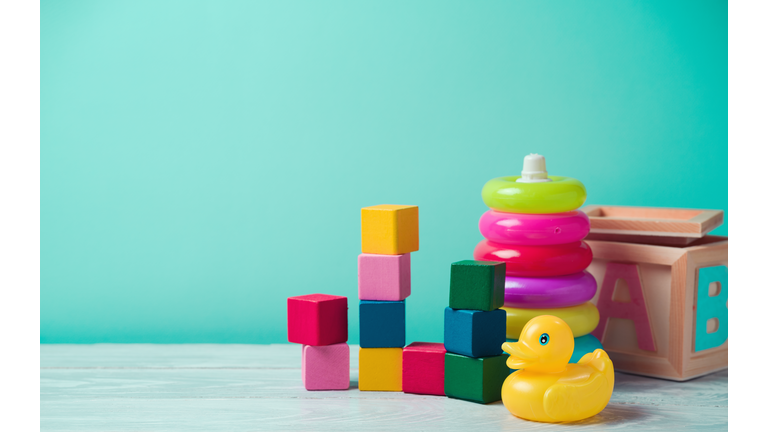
column 317, row 319
column 424, row 368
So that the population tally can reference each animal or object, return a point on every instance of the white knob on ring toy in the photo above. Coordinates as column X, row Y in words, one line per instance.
column 534, row 169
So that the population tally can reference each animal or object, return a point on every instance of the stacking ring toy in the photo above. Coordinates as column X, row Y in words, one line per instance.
column 582, row 319
column 560, row 195
column 537, row 261
column 534, row 229
column 549, row 292
column 581, row 346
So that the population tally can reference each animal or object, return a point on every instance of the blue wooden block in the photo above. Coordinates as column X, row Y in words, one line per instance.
column 475, row 333
column 382, row 324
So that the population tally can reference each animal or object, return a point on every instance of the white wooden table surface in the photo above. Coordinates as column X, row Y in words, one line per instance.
column 136, row 387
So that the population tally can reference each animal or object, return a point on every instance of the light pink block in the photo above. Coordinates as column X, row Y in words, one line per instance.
column 325, row 367
column 384, row 277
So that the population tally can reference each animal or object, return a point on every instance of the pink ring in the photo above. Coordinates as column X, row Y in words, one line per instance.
column 549, row 292
column 537, row 261
column 534, row 229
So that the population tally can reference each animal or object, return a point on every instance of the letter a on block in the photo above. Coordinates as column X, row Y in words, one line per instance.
column 635, row 310
column 708, row 307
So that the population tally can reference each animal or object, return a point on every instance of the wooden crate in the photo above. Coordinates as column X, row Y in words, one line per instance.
column 663, row 308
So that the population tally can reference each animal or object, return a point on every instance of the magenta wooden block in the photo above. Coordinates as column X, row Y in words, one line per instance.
column 424, row 368
column 325, row 367
column 384, row 277
column 317, row 319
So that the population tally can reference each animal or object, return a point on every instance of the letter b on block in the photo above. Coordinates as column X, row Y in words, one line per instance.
column 709, row 307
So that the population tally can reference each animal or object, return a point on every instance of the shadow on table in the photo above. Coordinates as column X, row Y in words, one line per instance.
column 614, row 414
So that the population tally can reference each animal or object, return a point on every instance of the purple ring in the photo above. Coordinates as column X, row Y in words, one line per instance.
column 549, row 292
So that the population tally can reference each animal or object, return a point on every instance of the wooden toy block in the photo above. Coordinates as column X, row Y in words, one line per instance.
column 650, row 225
column 381, row 369
column 384, row 277
column 424, row 368
column 477, row 285
column 390, row 229
column 382, row 324
column 475, row 379
column 475, row 333
column 663, row 309
column 325, row 367
column 317, row 319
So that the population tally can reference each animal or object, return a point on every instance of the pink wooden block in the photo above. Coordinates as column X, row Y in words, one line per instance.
column 424, row 368
column 317, row 319
column 325, row 367
column 636, row 310
column 384, row 277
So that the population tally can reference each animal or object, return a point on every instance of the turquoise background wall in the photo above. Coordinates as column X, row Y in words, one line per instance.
column 202, row 161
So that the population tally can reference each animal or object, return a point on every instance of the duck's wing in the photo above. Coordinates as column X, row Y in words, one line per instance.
column 570, row 401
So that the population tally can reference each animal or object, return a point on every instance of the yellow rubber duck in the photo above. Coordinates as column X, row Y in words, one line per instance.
column 546, row 387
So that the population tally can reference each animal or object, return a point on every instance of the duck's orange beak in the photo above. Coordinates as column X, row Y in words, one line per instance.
column 520, row 355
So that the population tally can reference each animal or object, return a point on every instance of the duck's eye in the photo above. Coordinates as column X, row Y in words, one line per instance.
column 544, row 339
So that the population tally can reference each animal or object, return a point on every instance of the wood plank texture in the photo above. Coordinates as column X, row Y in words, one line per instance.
column 258, row 387
column 651, row 224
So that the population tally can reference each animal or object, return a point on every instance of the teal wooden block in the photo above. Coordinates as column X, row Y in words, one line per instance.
column 477, row 285
column 475, row 379
column 475, row 333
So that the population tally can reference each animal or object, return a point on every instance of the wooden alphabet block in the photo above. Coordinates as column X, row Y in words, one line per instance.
column 384, row 277
column 424, row 368
column 382, row 324
column 475, row 379
column 325, row 367
column 390, row 229
column 477, row 285
column 317, row 319
column 381, row 369
column 475, row 333
column 663, row 308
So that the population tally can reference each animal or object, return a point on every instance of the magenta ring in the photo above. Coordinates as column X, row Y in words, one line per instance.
column 534, row 229
column 549, row 292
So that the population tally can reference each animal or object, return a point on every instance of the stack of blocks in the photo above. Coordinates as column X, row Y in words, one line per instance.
column 319, row 323
column 475, row 366
column 389, row 234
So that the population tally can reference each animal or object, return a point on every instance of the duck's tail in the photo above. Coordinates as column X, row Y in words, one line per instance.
column 599, row 360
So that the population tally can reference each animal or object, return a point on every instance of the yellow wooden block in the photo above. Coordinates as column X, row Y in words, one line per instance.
column 390, row 229
column 381, row 369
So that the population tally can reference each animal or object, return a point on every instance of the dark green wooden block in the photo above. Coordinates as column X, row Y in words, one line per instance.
column 477, row 285
column 475, row 379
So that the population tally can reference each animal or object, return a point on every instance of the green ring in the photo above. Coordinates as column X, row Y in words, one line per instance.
column 560, row 195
